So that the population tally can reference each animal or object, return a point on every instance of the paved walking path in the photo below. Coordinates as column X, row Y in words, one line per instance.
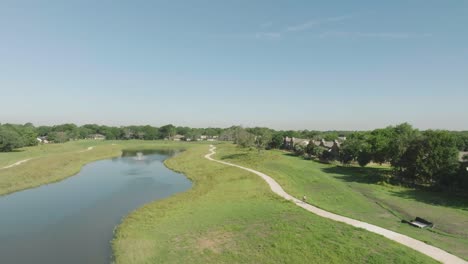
column 431, row 251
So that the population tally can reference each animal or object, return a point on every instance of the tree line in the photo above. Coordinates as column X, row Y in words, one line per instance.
column 429, row 158
column 13, row 136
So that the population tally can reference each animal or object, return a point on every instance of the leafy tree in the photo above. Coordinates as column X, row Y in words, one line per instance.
column 43, row 130
column 349, row 150
column 182, row 130
column 243, row 138
column 315, row 151
column 150, row 133
column 262, row 137
column 365, row 155
column 330, row 136
column 167, row 131
column 379, row 141
column 276, row 140
column 29, row 136
column 9, row 139
column 402, row 137
column 431, row 158
column 58, row 137
column 299, row 150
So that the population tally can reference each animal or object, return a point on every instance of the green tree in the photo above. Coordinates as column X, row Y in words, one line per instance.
column 431, row 158
column 402, row 136
column 167, row 131
column 9, row 139
column 379, row 140
column 58, row 137
column 151, row 133
column 262, row 137
column 330, row 136
column 349, row 150
column 29, row 136
column 243, row 138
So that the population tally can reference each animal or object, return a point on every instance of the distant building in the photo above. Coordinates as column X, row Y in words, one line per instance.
column 96, row 137
column 178, row 138
column 43, row 140
column 289, row 143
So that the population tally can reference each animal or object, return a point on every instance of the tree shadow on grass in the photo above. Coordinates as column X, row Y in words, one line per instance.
column 289, row 154
column 15, row 150
column 420, row 193
column 433, row 198
column 234, row 156
column 357, row 174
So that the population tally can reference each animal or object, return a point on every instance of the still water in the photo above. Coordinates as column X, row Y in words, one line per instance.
column 72, row 221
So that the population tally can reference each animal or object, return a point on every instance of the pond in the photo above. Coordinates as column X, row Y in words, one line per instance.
column 72, row 221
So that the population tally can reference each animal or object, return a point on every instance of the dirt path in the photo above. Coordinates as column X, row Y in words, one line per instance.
column 15, row 164
column 88, row 149
column 431, row 251
column 26, row 160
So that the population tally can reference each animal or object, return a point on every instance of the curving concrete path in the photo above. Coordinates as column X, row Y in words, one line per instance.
column 431, row 251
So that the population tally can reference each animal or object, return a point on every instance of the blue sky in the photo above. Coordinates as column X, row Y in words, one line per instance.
column 283, row 64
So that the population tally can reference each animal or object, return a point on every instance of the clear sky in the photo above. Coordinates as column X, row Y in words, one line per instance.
column 283, row 64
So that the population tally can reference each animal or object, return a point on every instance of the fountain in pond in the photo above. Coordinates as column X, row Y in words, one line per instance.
column 139, row 156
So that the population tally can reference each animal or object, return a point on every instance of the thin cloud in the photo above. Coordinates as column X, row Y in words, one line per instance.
column 312, row 23
column 383, row 35
column 297, row 28
column 266, row 24
column 270, row 35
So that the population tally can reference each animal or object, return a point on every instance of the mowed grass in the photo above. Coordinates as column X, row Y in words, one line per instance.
column 231, row 216
column 357, row 193
column 54, row 162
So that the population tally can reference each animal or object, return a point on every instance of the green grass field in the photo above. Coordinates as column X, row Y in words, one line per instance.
column 229, row 216
column 358, row 193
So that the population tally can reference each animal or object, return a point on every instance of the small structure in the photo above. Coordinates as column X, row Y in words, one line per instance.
column 43, row 140
column 178, row 138
column 96, row 137
column 420, row 223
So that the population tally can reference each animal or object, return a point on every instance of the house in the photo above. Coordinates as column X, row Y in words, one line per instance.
column 463, row 162
column 289, row 143
column 178, row 137
column 96, row 137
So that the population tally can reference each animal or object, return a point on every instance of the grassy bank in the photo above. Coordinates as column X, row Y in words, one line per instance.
column 54, row 162
column 231, row 216
column 357, row 193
